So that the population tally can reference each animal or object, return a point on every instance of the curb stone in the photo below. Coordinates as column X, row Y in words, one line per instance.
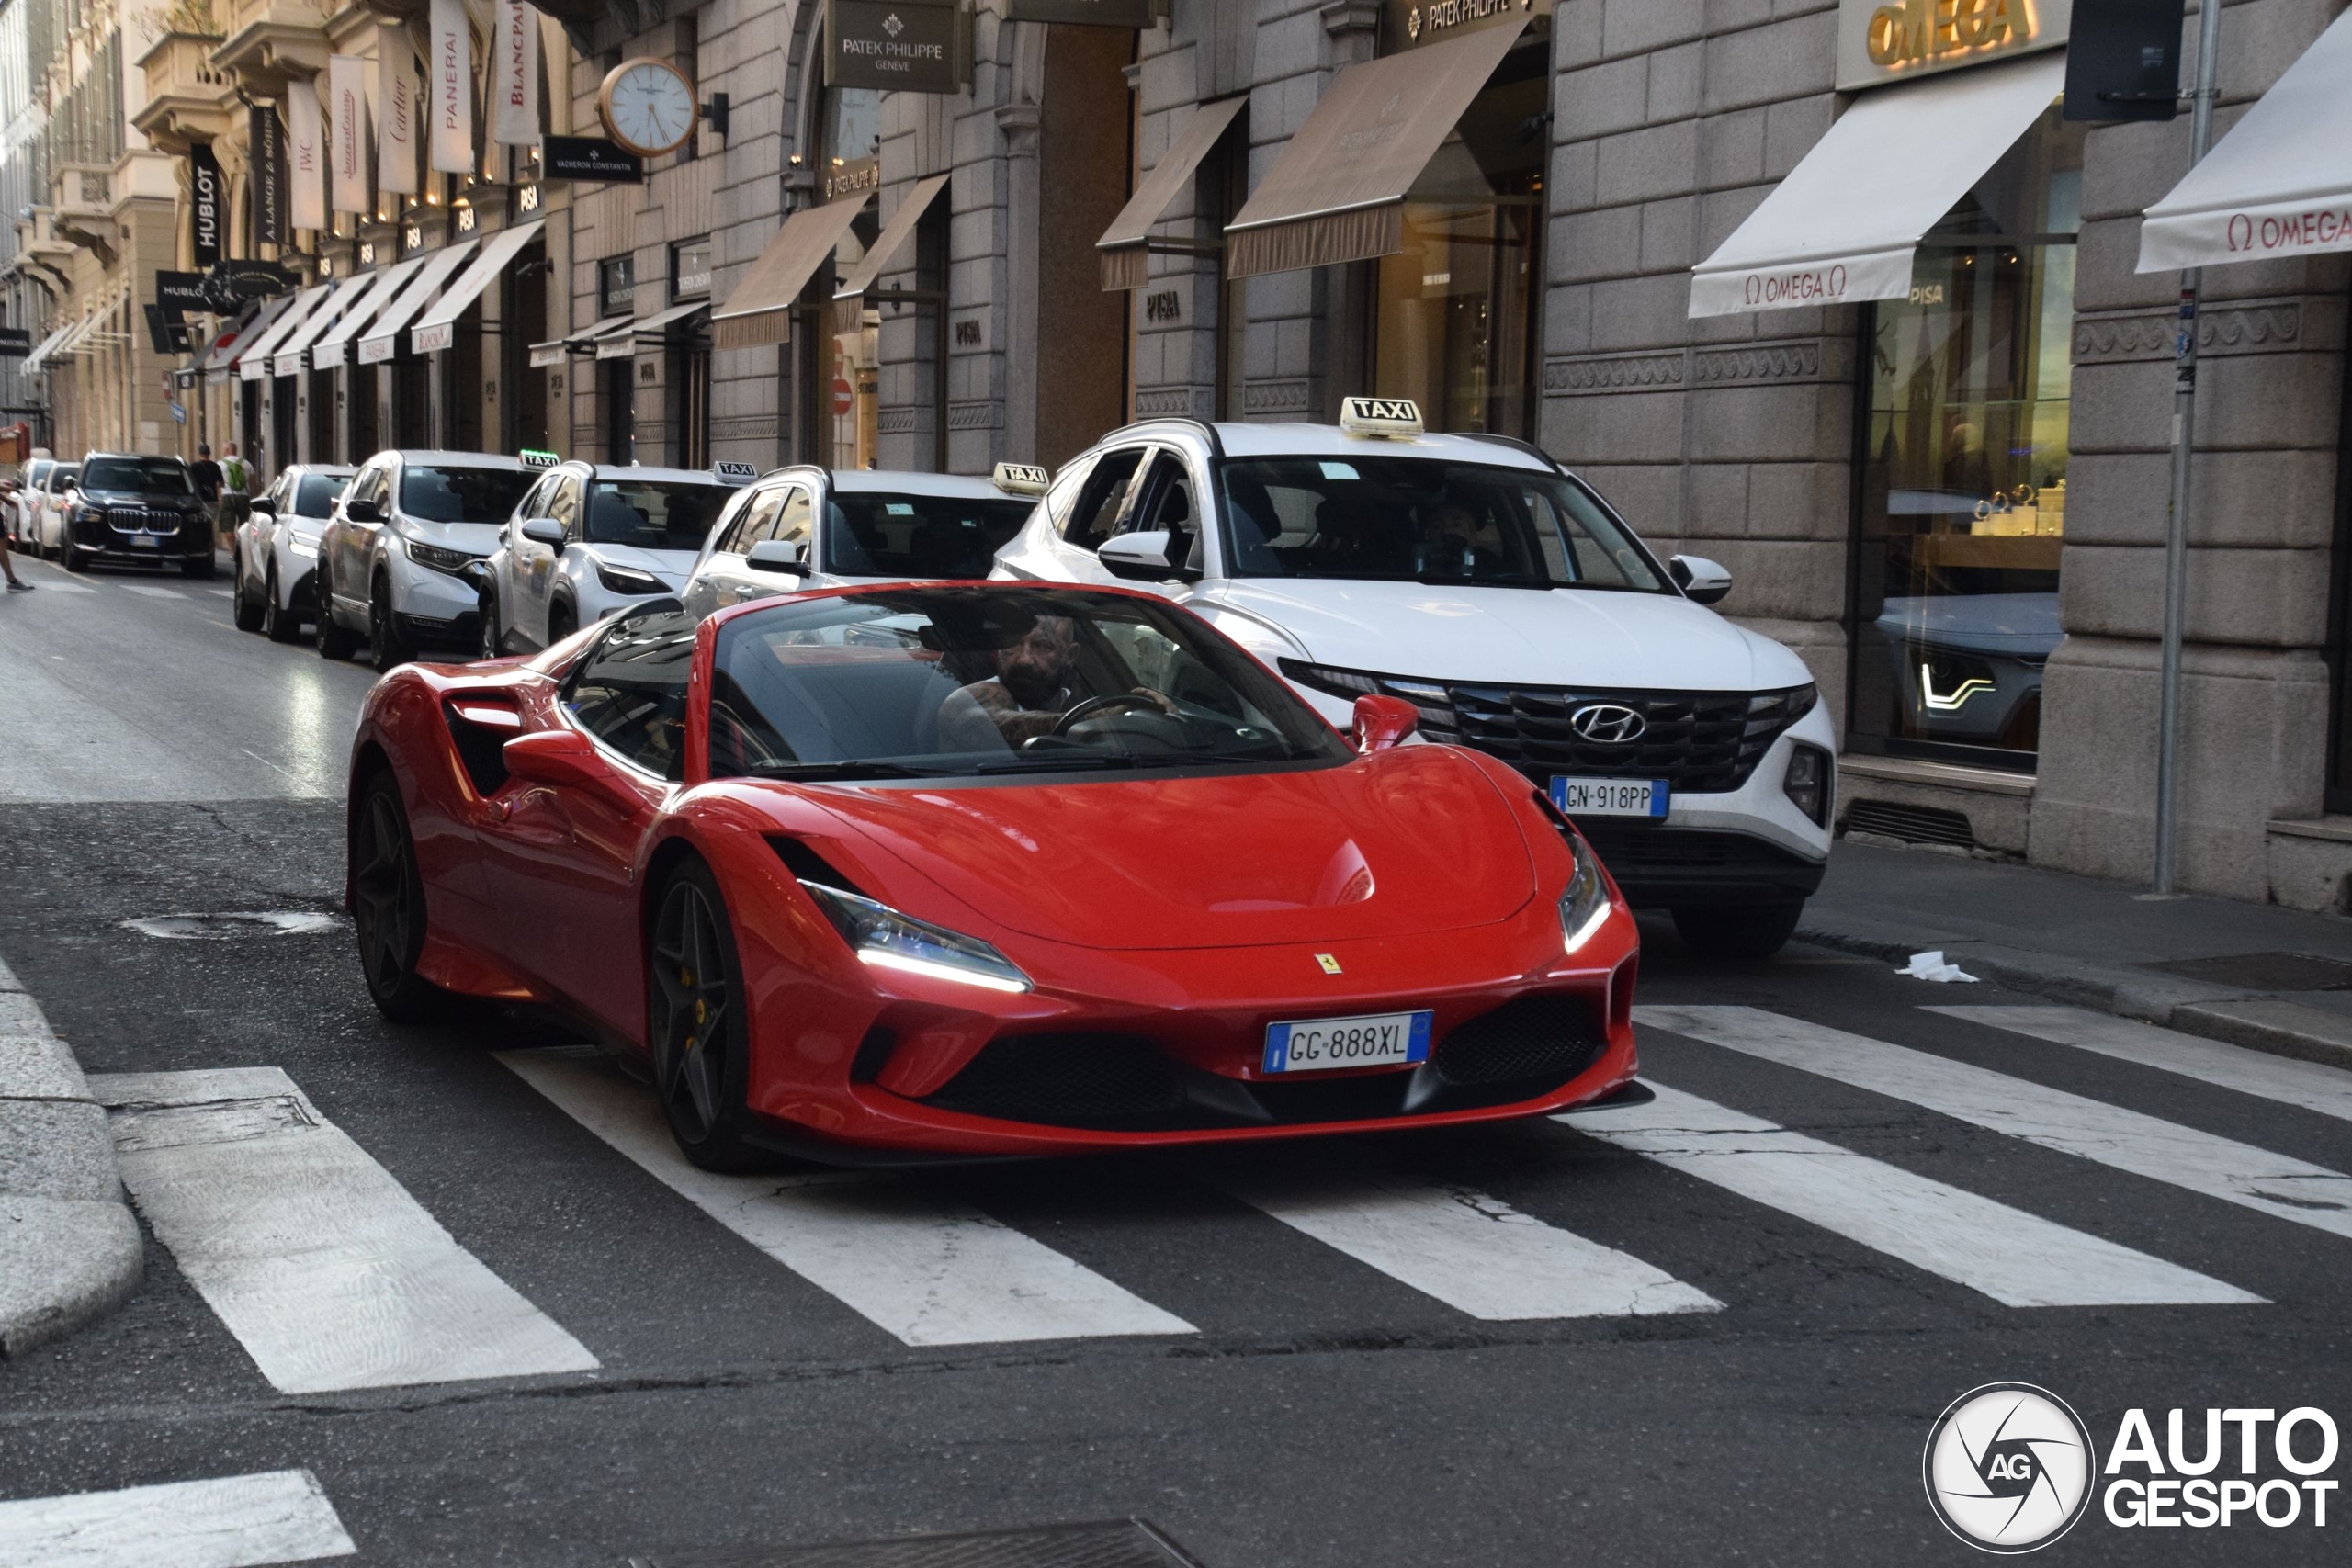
column 2253, row 1019
column 70, row 1250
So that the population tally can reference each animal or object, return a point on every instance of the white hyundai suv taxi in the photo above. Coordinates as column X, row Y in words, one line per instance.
column 1476, row 578
column 400, row 562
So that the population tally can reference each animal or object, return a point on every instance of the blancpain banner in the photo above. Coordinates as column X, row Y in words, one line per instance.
column 306, row 155
column 450, row 70
column 515, row 73
column 395, row 112
column 347, row 131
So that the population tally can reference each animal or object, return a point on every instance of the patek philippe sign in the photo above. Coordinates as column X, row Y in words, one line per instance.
column 206, row 204
column 1136, row 14
column 266, row 160
column 896, row 46
column 1893, row 40
column 589, row 158
column 1407, row 24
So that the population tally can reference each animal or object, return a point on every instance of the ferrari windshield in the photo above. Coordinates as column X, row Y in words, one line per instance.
column 876, row 534
column 1370, row 516
column 653, row 515
column 932, row 681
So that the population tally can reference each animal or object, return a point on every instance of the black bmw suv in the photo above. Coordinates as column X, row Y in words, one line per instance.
column 135, row 511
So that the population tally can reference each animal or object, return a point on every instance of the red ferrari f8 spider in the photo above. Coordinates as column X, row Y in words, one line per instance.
column 973, row 870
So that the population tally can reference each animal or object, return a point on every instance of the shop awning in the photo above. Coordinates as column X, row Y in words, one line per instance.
column 850, row 297
column 2279, row 184
column 1337, row 191
column 377, row 289
column 32, row 363
column 438, row 330
column 74, row 339
column 760, row 310
column 252, row 360
column 1126, row 243
column 586, row 341
column 222, row 361
column 1843, row 225
column 655, row 328
column 383, row 339
column 286, row 355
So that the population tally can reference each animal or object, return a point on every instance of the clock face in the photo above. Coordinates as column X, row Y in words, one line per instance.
column 648, row 107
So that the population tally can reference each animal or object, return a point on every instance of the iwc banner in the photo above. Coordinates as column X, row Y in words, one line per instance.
column 900, row 46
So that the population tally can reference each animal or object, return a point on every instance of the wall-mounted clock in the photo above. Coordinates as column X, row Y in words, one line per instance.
column 648, row 107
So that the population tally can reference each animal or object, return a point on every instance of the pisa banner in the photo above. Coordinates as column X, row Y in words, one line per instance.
column 451, row 72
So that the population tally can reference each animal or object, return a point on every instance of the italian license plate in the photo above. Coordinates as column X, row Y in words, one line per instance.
column 144, row 541
column 1375, row 1040
column 1609, row 797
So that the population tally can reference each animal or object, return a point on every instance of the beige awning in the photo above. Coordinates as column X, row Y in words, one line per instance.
column 1337, row 194
column 236, row 340
column 286, row 355
column 760, row 310
column 849, row 299
column 252, row 363
column 1126, row 243
column 438, row 329
column 379, row 287
column 383, row 339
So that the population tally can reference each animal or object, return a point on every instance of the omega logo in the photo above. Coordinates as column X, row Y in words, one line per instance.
column 1917, row 30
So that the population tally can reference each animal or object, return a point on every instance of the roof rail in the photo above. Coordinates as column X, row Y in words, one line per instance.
column 1515, row 443
column 1217, row 446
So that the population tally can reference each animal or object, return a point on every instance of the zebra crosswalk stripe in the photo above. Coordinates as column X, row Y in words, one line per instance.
column 235, row 1521
column 1473, row 1252
column 328, row 1272
column 921, row 1265
column 2018, row 1260
column 151, row 591
column 2327, row 1090
column 2199, row 1162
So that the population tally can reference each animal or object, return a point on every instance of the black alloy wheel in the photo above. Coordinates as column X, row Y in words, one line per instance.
column 562, row 621
column 1757, row 931
column 334, row 641
column 696, row 1024
column 387, row 650
column 243, row 611
column 277, row 622
column 388, row 904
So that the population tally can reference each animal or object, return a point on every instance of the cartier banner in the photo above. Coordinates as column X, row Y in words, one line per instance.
column 452, row 70
column 348, row 113
column 206, row 204
column 306, row 155
column 902, row 46
column 265, row 156
column 395, row 110
column 515, row 119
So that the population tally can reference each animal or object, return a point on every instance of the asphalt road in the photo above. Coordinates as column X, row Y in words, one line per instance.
column 1351, row 1379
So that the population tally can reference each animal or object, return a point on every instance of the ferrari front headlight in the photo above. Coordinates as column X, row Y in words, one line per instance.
column 1585, row 906
column 885, row 938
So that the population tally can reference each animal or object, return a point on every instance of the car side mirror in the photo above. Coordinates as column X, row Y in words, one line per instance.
column 363, row 512
column 1382, row 722
column 790, row 555
column 1139, row 557
column 559, row 757
column 544, row 530
column 265, row 506
column 1700, row 579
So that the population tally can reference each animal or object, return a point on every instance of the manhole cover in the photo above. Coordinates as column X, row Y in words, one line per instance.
column 1125, row 1544
column 229, row 928
column 2266, row 971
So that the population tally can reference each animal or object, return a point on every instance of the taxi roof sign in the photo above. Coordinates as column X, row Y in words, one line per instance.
column 1022, row 479
column 734, row 473
column 1394, row 419
column 536, row 457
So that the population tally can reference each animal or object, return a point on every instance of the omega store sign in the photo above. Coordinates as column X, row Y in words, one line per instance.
column 1893, row 40
column 898, row 46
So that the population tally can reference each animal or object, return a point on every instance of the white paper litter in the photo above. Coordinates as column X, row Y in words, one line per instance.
column 1932, row 966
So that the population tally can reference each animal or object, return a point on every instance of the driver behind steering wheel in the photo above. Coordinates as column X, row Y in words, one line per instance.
column 1029, row 696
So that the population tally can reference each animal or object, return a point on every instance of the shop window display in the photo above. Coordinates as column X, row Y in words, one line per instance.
column 1962, row 512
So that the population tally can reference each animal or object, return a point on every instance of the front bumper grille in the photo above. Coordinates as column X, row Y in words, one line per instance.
column 1699, row 743
column 144, row 520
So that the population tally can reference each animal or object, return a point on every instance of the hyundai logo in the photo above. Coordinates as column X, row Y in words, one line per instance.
column 1608, row 724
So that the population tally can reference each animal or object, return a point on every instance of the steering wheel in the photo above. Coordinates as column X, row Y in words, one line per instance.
column 1103, row 703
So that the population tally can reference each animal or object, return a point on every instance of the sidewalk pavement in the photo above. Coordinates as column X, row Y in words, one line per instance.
column 69, row 1247
column 2254, row 974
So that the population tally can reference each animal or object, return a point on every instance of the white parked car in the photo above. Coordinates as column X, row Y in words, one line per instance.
column 812, row 528
column 21, row 503
column 273, row 553
column 588, row 541
column 1476, row 578
column 48, row 501
column 400, row 561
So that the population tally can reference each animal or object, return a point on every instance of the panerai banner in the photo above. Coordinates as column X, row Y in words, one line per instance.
column 266, row 158
column 306, row 155
column 450, row 70
column 514, row 117
column 206, row 204
column 395, row 110
column 347, row 131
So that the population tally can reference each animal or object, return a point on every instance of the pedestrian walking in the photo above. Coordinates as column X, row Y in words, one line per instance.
column 236, row 490
column 8, row 565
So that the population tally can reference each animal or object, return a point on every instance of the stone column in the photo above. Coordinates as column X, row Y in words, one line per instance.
column 1018, row 124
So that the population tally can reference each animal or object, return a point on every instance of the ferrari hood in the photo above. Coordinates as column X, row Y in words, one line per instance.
column 1415, row 840
column 1560, row 636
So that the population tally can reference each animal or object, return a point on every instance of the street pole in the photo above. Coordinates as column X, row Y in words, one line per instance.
column 2184, row 433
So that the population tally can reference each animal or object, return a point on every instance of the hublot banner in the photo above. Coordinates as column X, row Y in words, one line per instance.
column 179, row 293
column 266, row 157
column 206, row 204
column 900, row 46
column 1136, row 13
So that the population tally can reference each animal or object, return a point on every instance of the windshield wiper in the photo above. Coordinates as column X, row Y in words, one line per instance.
column 851, row 769
column 1055, row 763
column 1497, row 580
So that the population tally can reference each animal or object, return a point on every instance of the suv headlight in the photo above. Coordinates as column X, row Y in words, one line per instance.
column 454, row 562
column 881, row 936
column 301, row 544
column 628, row 580
column 1584, row 907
